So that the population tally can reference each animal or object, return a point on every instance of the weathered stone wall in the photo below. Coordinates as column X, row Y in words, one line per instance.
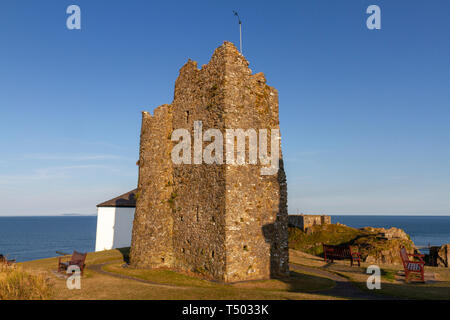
column 226, row 221
column 199, row 231
column 304, row 221
column 256, row 214
column 151, row 244
column 325, row 219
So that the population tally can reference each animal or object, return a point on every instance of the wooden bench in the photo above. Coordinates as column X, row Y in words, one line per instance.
column 330, row 253
column 76, row 259
column 4, row 260
column 412, row 267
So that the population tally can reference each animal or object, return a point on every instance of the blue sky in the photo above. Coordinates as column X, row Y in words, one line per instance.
column 364, row 113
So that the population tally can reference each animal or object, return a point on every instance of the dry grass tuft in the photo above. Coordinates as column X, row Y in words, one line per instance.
column 17, row 284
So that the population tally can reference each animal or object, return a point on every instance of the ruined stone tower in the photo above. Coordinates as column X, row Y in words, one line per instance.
column 225, row 221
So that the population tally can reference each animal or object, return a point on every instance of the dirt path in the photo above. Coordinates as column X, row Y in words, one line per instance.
column 343, row 289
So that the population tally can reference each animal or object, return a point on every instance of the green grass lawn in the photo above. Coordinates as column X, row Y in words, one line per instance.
column 392, row 284
column 298, row 282
column 168, row 284
column 395, row 286
column 329, row 234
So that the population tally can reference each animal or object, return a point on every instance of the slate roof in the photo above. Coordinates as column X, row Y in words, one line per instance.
column 126, row 200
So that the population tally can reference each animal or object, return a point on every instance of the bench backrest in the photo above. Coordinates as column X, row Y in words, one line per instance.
column 78, row 256
column 342, row 251
column 404, row 255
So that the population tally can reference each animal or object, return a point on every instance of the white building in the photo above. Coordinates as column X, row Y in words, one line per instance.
column 115, row 222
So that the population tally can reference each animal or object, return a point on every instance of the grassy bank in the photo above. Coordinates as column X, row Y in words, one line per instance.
column 17, row 284
column 113, row 281
column 437, row 286
column 166, row 284
column 373, row 245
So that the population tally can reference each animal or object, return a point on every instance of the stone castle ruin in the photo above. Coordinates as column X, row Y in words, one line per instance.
column 225, row 221
column 305, row 221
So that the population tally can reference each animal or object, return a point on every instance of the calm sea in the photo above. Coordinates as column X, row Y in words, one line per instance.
column 30, row 238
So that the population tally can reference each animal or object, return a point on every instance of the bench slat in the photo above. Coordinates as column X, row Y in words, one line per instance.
column 340, row 252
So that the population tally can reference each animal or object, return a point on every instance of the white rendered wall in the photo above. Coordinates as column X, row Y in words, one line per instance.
column 114, row 226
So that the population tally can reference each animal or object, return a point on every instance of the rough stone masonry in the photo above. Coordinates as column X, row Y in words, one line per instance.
column 227, row 222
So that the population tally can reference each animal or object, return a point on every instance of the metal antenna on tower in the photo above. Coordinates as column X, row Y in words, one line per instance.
column 240, row 30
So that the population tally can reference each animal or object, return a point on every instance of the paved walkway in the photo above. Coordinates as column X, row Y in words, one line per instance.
column 343, row 289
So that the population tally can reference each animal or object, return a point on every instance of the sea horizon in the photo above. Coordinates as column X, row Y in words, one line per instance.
column 27, row 238
column 309, row 213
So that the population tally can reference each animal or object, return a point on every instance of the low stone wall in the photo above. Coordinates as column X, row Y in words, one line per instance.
column 303, row 221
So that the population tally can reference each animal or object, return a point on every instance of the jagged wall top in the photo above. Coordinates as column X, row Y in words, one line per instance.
column 226, row 61
column 225, row 221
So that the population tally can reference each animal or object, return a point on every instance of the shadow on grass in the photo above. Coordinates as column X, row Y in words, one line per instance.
column 300, row 282
column 125, row 254
column 413, row 290
column 398, row 288
column 296, row 283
